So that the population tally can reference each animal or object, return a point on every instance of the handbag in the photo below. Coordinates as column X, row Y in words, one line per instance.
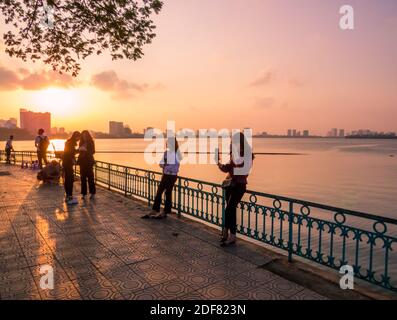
column 227, row 183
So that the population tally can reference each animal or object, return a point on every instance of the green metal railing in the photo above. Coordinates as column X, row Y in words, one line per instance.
column 327, row 235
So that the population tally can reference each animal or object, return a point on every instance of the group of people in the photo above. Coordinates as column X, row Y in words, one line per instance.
column 80, row 149
column 235, row 184
column 81, row 145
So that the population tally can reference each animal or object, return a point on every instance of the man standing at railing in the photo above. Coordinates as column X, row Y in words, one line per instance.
column 42, row 142
column 9, row 148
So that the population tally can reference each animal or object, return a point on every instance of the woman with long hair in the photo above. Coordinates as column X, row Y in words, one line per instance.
column 68, row 162
column 170, row 165
column 86, row 162
column 235, row 184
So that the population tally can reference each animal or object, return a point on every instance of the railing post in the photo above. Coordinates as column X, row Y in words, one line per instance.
column 22, row 160
column 223, row 207
column 148, row 188
column 126, row 181
column 290, row 230
column 109, row 176
column 179, row 197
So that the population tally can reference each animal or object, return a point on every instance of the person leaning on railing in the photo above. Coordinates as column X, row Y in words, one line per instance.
column 9, row 148
column 170, row 165
column 235, row 184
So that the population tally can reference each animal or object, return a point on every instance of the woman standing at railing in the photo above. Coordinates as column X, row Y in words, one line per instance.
column 68, row 162
column 170, row 165
column 86, row 161
column 235, row 184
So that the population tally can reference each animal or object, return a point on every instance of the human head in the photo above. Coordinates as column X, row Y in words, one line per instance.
column 41, row 131
column 173, row 142
column 11, row 137
column 75, row 136
column 86, row 137
column 54, row 163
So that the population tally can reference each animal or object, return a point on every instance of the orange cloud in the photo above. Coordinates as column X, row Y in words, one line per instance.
column 122, row 89
column 264, row 78
column 26, row 80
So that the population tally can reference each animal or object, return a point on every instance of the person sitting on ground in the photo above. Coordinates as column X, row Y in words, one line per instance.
column 51, row 173
column 9, row 148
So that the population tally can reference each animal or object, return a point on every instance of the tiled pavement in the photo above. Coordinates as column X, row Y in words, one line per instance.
column 102, row 250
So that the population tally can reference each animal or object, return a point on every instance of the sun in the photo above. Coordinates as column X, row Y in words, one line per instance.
column 60, row 102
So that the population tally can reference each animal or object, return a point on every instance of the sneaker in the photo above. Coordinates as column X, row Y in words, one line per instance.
column 150, row 215
column 160, row 216
column 72, row 201
column 230, row 241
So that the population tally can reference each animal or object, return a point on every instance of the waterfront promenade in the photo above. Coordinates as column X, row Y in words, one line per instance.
column 102, row 250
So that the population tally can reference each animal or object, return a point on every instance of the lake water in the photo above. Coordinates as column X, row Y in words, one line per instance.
column 353, row 174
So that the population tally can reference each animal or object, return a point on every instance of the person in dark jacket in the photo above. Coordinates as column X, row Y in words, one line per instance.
column 69, row 161
column 9, row 148
column 86, row 161
column 235, row 184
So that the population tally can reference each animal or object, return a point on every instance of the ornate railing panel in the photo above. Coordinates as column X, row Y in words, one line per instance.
column 327, row 235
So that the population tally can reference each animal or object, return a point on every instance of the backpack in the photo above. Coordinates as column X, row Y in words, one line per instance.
column 44, row 143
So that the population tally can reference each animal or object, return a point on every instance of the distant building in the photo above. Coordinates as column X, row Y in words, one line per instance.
column 11, row 123
column 289, row 132
column 306, row 133
column 116, row 128
column 33, row 121
column 341, row 133
column 61, row 130
column 294, row 133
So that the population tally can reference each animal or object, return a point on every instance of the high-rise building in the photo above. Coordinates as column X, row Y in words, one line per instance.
column 289, row 132
column 294, row 133
column 306, row 133
column 341, row 133
column 116, row 128
column 33, row 121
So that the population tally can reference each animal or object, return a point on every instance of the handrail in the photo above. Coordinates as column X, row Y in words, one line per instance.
column 309, row 230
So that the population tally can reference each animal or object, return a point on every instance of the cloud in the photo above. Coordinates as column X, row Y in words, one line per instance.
column 262, row 103
column 27, row 80
column 8, row 80
column 105, row 81
column 265, row 77
column 109, row 81
column 296, row 83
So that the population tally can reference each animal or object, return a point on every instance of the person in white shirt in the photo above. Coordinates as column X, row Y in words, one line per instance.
column 170, row 165
column 8, row 149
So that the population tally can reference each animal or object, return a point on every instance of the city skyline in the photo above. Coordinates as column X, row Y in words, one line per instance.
column 31, row 121
column 309, row 74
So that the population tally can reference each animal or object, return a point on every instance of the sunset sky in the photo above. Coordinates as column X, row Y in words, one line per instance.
column 266, row 64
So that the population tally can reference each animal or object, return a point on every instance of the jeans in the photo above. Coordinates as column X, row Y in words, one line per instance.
column 42, row 157
column 166, row 184
column 69, row 180
column 234, row 194
column 87, row 175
